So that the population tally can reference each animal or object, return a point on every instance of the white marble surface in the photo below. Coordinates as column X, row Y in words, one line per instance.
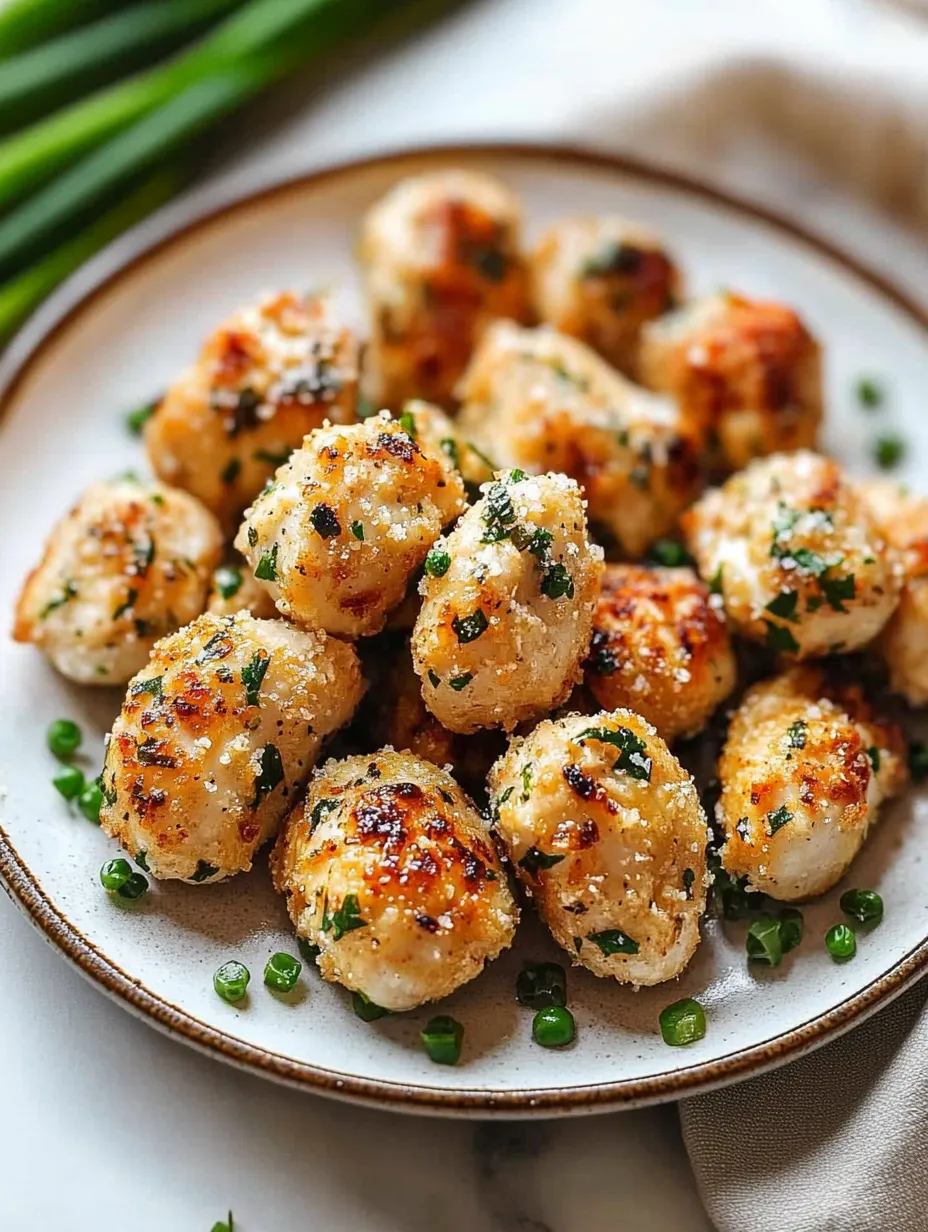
column 104, row 1123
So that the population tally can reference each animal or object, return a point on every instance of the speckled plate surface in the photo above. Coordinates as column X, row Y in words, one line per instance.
column 111, row 340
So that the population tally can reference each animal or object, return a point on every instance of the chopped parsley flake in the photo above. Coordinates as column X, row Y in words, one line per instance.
column 203, row 871
column 670, row 553
column 252, row 537
column 252, row 675
column 836, row 590
column 321, row 809
column 469, row 628
column 778, row 819
column 631, row 759
column 137, row 419
column 434, row 680
column 271, row 457
column 344, row 919
column 526, row 774
column 152, row 686
column 874, row 754
column 408, row 423
column 68, row 592
column 449, row 448
column 688, row 878
column 218, row 646
column 357, row 530
column 270, row 773
column 614, row 941
column 557, row 583
column 499, row 514
column 231, row 470
column 918, row 761
column 780, row 639
column 460, row 682
column 784, row 605
column 228, row 581
column 536, row 860
column 266, row 568
column 127, row 605
column 796, row 734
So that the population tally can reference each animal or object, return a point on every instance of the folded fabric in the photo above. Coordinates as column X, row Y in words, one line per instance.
column 834, row 1142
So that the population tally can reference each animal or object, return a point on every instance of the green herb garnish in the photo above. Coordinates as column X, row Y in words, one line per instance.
column 469, row 628
column 253, row 674
column 270, row 774
column 614, row 941
column 632, row 757
column 344, row 919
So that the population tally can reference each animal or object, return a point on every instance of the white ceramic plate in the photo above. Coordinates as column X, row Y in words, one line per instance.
column 96, row 354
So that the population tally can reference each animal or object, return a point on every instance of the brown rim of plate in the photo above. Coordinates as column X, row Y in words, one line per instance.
column 23, row 887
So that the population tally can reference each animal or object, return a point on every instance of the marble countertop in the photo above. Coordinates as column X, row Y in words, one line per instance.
column 106, row 1123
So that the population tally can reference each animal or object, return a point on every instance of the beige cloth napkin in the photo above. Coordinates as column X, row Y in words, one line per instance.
column 831, row 127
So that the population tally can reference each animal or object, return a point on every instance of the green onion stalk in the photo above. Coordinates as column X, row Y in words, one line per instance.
column 26, row 23
column 46, row 77
column 22, row 294
column 262, row 41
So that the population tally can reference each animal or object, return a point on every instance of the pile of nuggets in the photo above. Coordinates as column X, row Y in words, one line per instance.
column 428, row 581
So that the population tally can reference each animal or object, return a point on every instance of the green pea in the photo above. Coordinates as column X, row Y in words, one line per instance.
column 841, row 942
column 231, row 981
column 64, row 738
column 863, row 905
column 553, row 1027
column 282, row 972
column 118, row 877
column 888, row 451
column 90, row 801
column 683, row 1022
column 366, row 1009
column 69, row 782
column 540, row 985
column 442, row 1039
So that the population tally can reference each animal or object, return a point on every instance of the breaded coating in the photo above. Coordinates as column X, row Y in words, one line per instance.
column 799, row 562
column 660, row 647
column 803, row 773
column 435, row 431
column 440, row 260
column 271, row 373
column 607, row 834
column 508, row 601
column 131, row 562
column 747, row 375
column 394, row 713
column 389, row 869
column 539, row 400
column 600, row 279
column 337, row 536
column 903, row 520
column 216, row 740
